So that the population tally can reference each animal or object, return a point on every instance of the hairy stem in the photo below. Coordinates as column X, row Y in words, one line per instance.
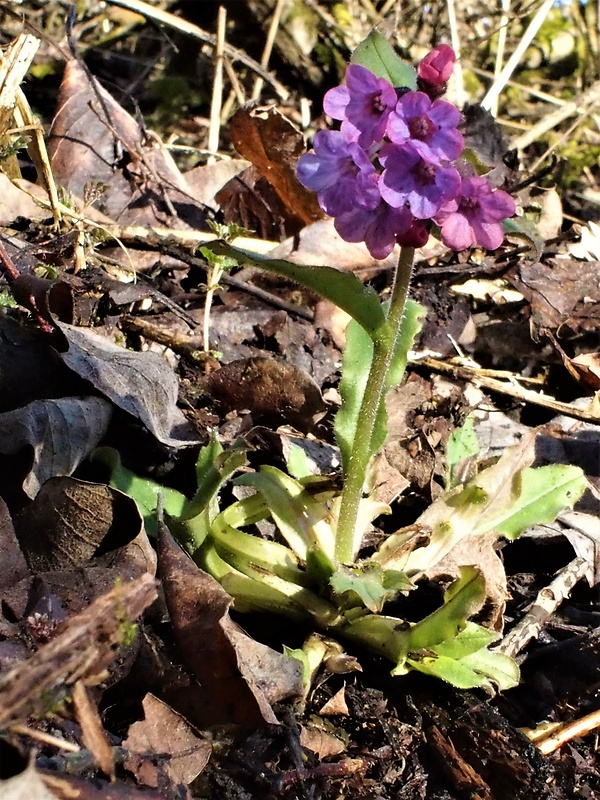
column 383, row 350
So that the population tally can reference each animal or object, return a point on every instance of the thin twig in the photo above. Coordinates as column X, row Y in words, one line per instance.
column 509, row 388
column 533, row 27
column 546, row 603
column 582, row 104
column 457, row 75
column 579, row 727
column 500, row 50
column 266, row 56
column 44, row 738
column 214, row 128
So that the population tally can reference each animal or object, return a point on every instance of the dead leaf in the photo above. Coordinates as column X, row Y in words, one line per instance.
column 93, row 735
column 584, row 368
column 61, row 433
column 270, row 141
column 239, row 678
column 206, row 180
column 483, row 135
column 318, row 741
column 164, row 740
column 270, row 389
column 140, row 383
column 87, row 644
column 249, row 200
column 16, row 202
column 71, row 520
column 336, row 705
column 93, row 140
column 46, row 299
column 562, row 292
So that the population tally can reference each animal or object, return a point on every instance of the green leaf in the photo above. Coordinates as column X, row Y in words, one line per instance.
column 505, row 497
column 537, row 497
column 471, row 639
column 356, row 364
column 525, row 229
column 302, row 520
column 298, row 463
column 462, row 599
column 462, row 445
column 466, row 662
column 213, row 468
column 342, row 288
column 378, row 55
column 143, row 490
column 368, row 584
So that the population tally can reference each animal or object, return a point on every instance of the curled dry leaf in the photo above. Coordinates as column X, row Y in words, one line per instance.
column 70, row 521
column 140, row 383
column 61, row 432
column 239, row 677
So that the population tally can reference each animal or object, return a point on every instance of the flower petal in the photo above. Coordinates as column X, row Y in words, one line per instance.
column 335, row 102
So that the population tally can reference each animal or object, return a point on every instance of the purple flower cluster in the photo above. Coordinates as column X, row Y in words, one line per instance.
column 394, row 166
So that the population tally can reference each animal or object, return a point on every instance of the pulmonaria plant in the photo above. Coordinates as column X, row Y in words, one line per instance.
column 392, row 171
column 394, row 168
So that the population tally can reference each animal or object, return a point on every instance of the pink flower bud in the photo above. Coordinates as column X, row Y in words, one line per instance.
column 436, row 68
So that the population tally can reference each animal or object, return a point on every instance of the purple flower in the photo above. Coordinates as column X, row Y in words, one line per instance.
column 411, row 180
column 377, row 228
column 475, row 217
column 363, row 104
column 429, row 127
column 340, row 172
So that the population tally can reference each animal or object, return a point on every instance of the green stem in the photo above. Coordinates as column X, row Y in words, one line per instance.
column 383, row 350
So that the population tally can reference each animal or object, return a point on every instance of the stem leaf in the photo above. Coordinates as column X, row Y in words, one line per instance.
column 342, row 288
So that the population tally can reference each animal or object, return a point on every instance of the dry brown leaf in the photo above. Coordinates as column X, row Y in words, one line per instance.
column 270, row 141
column 562, row 292
column 318, row 741
column 61, row 433
column 271, row 390
column 140, row 383
column 164, row 740
column 336, row 705
column 93, row 140
column 207, row 180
